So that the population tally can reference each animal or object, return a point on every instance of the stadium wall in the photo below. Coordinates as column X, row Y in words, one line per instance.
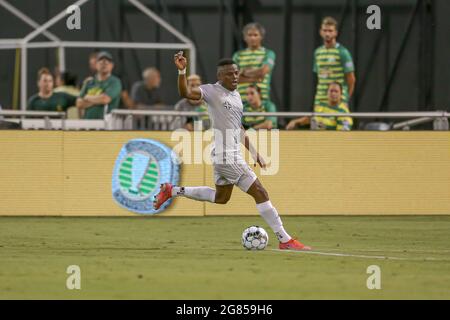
column 320, row 173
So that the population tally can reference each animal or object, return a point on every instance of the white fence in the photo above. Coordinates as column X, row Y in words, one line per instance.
column 169, row 120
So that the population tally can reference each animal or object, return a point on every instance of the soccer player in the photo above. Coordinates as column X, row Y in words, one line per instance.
column 225, row 110
column 333, row 63
column 255, row 62
column 333, row 105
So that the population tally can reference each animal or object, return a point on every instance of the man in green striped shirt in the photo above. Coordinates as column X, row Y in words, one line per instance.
column 255, row 62
column 333, row 63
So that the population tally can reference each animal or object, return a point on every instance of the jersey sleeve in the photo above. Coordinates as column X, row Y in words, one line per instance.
column 270, row 107
column 269, row 59
column 83, row 90
column 207, row 93
column 70, row 100
column 347, row 61
column 113, row 90
column 315, row 67
column 236, row 57
column 31, row 103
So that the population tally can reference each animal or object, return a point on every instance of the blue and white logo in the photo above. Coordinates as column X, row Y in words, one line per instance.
column 141, row 167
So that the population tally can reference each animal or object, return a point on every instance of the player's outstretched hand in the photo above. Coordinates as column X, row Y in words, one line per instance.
column 180, row 61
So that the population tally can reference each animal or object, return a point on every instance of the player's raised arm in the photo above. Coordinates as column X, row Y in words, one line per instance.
column 183, row 90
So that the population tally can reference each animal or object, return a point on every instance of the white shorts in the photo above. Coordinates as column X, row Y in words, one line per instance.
column 238, row 173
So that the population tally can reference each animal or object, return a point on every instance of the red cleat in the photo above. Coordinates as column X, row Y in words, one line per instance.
column 294, row 244
column 164, row 194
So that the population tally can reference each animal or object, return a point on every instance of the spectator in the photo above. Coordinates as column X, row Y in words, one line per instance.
column 334, row 104
column 46, row 99
column 333, row 63
column 193, row 81
column 102, row 91
column 147, row 93
column 255, row 62
column 256, row 104
column 93, row 63
column 66, row 82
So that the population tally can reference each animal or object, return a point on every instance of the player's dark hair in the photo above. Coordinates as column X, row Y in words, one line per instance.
column 254, row 86
column 225, row 62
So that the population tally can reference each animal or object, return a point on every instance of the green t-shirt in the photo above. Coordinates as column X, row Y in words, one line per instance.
column 58, row 101
column 331, row 65
column 248, row 58
column 111, row 87
column 266, row 106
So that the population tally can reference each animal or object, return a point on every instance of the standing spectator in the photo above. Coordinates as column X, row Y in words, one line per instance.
column 46, row 99
column 334, row 104
column 256, row 104
column 100, row 91
column 333, row 63
column 147, row 93
column 93, row 63
column 255, row 62
column 193, row 81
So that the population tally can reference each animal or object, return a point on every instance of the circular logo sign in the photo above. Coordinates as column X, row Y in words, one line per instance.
column 141, row 167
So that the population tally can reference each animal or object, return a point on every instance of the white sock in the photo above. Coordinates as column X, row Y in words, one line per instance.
column 271, row 216
column 195, row 193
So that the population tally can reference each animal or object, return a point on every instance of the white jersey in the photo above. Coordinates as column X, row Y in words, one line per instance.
column 225, row 110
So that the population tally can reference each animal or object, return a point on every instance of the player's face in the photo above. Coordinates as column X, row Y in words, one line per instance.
column 328, row 33
column 229, row 76
column 334, row 93
column 253, row 38
column 253, row 97
column 104, row 66
column 45, row 83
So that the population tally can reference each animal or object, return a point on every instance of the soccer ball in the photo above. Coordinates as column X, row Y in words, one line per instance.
column 255, row 238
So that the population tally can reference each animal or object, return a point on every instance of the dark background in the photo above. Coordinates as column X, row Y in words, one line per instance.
column 403, row 67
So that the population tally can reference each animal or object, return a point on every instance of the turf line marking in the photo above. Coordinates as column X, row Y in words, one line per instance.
column 356, row 255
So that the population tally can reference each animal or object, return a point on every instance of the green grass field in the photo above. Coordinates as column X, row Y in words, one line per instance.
column 202, row 258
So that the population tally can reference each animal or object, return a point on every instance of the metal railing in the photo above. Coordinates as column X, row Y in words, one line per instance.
column 44, row 121
column 121, row 119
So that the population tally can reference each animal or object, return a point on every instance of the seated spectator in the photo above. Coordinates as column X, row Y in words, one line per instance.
column 333, row 105
column 254, row 103
column 66, row 82
column 147, row 94
column 46, row 99
column 102, row 91
column 193, row 81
